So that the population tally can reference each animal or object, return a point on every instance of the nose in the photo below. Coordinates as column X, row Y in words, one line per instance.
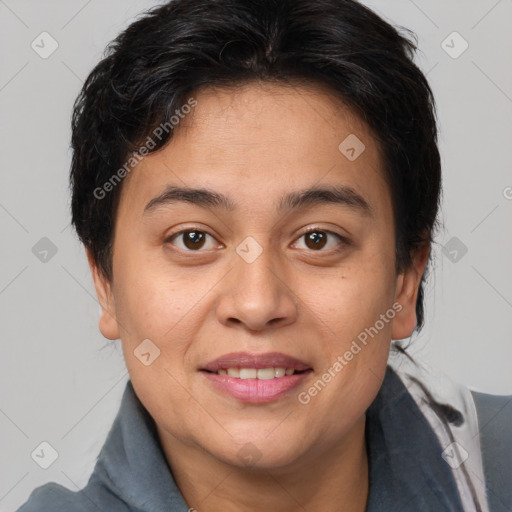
column 257, row 294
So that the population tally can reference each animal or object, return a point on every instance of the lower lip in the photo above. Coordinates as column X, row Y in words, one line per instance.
column 256, row 390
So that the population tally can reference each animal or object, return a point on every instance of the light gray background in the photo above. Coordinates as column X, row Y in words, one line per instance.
column 62, row 382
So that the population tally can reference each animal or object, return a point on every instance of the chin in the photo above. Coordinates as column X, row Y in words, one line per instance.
column 257, row 453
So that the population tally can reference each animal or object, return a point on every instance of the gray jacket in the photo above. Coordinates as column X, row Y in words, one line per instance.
column 407, row 471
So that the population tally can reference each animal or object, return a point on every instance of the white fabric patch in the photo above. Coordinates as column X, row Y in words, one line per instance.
column 461, row 446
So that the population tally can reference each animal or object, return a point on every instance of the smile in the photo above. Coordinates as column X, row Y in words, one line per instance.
column 256, row 373
column 251, row 385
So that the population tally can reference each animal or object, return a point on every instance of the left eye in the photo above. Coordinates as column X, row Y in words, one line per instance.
column 316, row 239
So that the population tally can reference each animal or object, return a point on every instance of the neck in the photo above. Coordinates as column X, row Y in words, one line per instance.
column 330, row 478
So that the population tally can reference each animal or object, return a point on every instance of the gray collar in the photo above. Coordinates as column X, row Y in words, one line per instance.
column 407, row 472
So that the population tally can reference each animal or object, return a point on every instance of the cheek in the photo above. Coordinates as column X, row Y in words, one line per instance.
column 149, row 299
column 353, row 299
column 158, row 301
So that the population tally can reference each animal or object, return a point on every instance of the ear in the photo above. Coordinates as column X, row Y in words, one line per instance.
column 407, row 286
column 108, row 321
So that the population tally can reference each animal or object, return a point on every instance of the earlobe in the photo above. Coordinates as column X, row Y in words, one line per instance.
column 108, row 321
column 407, row 287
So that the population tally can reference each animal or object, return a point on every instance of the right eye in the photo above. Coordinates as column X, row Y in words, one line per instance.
column 191, row 239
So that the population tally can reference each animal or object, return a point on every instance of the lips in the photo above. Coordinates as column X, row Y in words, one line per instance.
column 256, row 378
column 256, row 361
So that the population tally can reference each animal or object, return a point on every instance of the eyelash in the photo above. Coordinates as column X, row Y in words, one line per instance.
column 343, row 240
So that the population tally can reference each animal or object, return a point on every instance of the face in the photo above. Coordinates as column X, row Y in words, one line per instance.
column 267, row 270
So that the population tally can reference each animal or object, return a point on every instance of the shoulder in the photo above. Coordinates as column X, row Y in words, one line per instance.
column 53, row 497
column 495, row 417
column 495, row 426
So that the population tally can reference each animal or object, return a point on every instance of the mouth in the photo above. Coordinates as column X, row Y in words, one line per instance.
column 243, row 364
column 258, row 373
column 255, row 378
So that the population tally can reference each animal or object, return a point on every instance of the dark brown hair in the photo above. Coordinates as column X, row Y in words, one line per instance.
column 151, row 68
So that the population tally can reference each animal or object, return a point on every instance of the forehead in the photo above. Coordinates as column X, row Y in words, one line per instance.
column 287, row 117
column 260, row 142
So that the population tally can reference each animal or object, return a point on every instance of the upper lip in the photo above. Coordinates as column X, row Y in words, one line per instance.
column 248, row 360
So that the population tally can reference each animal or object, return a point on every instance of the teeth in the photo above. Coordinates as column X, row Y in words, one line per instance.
column 266, row 373
column 234, row 372
column 280, row 372
column 248, row 373
column 260, row 373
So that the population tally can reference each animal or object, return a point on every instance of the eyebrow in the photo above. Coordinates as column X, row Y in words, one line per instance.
column 301, row 199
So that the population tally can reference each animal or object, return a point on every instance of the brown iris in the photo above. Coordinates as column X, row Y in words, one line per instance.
column 193, row 239
column 316, row 239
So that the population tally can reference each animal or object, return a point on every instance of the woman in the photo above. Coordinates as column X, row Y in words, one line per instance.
column 256, row 185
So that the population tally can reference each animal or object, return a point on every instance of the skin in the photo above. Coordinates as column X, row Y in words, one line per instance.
column 254, row 144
